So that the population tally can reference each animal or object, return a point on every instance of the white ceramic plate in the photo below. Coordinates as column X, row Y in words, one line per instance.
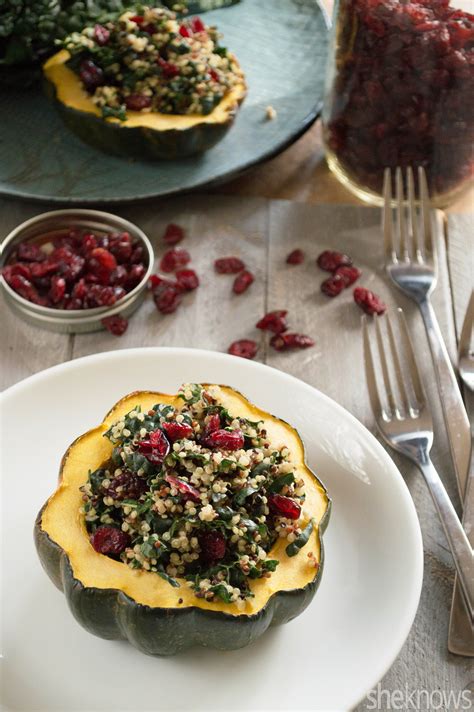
column 327, row 659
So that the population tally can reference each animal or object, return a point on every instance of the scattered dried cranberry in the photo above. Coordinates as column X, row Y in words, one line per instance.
column 274, row 321
column 101, row 35
column 155, row 447
column 137, row 102
column 296, row 257
column 332, row 286
column 184, row 32
column 169, row 69
column 284, row 506
column 213, row 546
column 212, row 423
column 24, row 288
column 167, row 298
column 368, row 301
column 284, row 342
column 229, row 265
column 173, row 234
column 330, row 260
column 58, row 289
column 225, row 439
column 30, row 252
column 185, row 488
column 101, row 264
column 245, row 348
column 187, row 279
column 174, row 259
column 242, row 282
column 177, row 431
column 349, row 274
column 109, row 540
column 120, row 245
column 91, row 75
column 116, row 324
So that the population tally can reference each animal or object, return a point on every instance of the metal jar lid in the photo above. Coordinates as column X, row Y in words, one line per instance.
column 73, row 320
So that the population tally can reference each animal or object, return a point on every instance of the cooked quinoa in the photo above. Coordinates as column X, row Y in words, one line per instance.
column 148, row 60
column 195, row 493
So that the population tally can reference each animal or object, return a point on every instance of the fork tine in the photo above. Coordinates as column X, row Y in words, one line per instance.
column 385, row 373
column 413, row 215
column 425, row 211
column 390, row 254
column 401, row 214
column 415, row 375
column 397, row 368
column 466, row 331
column 370, row 373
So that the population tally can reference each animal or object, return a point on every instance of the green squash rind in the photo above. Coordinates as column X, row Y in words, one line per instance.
column 140, row 142
column 111, row 614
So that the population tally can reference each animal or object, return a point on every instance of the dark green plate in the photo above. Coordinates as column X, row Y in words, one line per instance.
column 282, row 47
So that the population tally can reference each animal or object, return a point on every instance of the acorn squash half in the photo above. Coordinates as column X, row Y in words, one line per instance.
column 114, row 601
column 143, row 135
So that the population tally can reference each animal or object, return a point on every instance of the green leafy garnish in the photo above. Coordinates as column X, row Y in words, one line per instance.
column 293, row 548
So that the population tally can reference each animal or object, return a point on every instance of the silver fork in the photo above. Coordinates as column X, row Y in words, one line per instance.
column 406, row 425
column 412, row 266
column 461, row 627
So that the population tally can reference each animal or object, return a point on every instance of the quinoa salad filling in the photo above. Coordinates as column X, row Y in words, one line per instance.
column 147, row 60
column 195, row 493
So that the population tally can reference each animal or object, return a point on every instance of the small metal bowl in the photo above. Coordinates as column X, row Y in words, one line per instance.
column 73, row 320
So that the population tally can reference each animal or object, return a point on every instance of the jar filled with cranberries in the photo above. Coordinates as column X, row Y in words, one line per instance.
column 400, row 92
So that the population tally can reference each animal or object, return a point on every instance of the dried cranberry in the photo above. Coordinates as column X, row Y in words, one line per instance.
column 197, row 25
column 173, row 234
column 330, row 260
column 245, row 348
column 39, row 270
column 137, row 19
column 284, row 506
column 18, row 268
column 296, row 257
column 214, row 75
column 368, row 301
column 155, row 281
column 187, row 279
column 116, row 324
column 185, row 488
column 225, row 439
column 137, row 102
column 127, row 485
column 120, row 245
column 174, row 259
column 242, row 282
column 169, row 69
column 101, row 35
column 213, row 546
column 25, row 289
column 79, row 290
column 137, row 254
column 70, row 265
column 58, row 289
column 91, row 75
column 184, row 32
column 119, row 276
column 177, row 431
column 100, row 296
column 109, row 540
column 274, row 321
column 332, row 286
column 212, row 423
column 348, row 274
column 101, row 263
column 30, row 252
column 135, row 275
column 229, row 265
column 167, row 298
column 284, row 342
column 88, row 243
column 155, row 447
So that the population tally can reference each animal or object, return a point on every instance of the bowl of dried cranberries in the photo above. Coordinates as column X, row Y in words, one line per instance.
column 69, row 270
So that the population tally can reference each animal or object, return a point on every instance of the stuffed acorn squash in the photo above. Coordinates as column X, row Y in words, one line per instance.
column 146, row 85
column 185, row 520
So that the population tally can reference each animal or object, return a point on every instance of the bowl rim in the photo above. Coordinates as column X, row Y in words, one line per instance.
column 67, row 315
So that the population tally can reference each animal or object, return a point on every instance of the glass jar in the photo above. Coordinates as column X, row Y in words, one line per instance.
column 400, row 92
